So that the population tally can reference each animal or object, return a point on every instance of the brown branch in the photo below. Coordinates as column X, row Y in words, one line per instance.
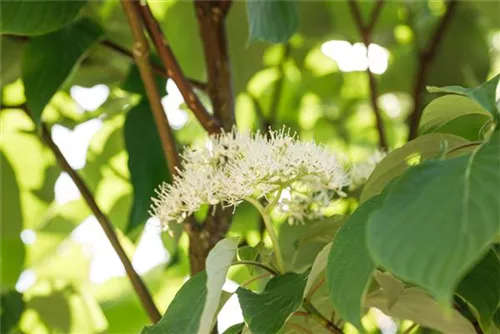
column 156, row 68
column 316, row 314
column 174, row 71
column 141, row 56
column 211, row 20
column 425, row 60
column 365, row 31
column 137, row 283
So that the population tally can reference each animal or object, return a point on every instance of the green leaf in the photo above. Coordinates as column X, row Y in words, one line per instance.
column 318, row 267
column 301, row 244
column 217, row 265
column 235, row 329
column 481, row 289
column 415, row 304
column 272, row 21
column 11, row 227
column 146, row 162
column 350, row 267
column 10, row 67
column 399, row 160
column 25, row 17
column 392, row 286
column 452, row 207
column 441, row 111
column 267, row 312
column 45, row 66
column 184, row 312
column 197, row 303
column 484, row 95
column 12, row 308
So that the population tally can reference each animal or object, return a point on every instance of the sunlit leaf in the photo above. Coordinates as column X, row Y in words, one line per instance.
column 450, row 205
column 11, row 227
column 484, row 95
column 267, row 312
column 235, row 329
column 45, row 67
column 399, row 160
column 438, row 115
column 24, row 17
column 391, row 286
column 416, row 305
column 218, row 262
column 318, row 267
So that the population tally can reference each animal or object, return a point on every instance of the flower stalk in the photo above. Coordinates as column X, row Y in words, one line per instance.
column 264, row 211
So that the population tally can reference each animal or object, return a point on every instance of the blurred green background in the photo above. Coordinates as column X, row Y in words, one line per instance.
column 59, row 272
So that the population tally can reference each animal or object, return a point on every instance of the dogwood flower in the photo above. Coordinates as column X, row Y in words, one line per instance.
column 235, row 165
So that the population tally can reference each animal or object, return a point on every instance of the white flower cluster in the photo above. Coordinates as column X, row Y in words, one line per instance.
column 235, row 165
column 360, row 172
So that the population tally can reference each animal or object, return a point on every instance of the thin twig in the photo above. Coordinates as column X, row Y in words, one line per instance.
column 174, row 71
column 141, row 56
column 256, row 278
column 137, row 283
column 425, row 60
column 257, row 264
column 365, row 31
column 315, row 288
column 411, row 328
column 314, row 312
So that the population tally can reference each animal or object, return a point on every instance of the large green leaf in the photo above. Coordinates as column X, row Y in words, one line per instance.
column 25, row 17
column 184, row 312
column 267, row 312
column 197, row 303
column 11, row 227
column 484, row 95
column 272, row 21
column 447, row 108
column 416, row 305
column 481, row 289
column 399, row 160
column 350, row 266
column 450, row 206
column 45, row 66
column 217, row 265
column 146, row 162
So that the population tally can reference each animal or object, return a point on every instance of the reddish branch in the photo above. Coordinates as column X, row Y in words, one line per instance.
column 211, row 19
column 141, row 56
column 365, row 31
column 174, row 71
column 426, row 57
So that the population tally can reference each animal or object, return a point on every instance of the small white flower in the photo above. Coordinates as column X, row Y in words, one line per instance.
column 360, row 172
column 236, row 165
